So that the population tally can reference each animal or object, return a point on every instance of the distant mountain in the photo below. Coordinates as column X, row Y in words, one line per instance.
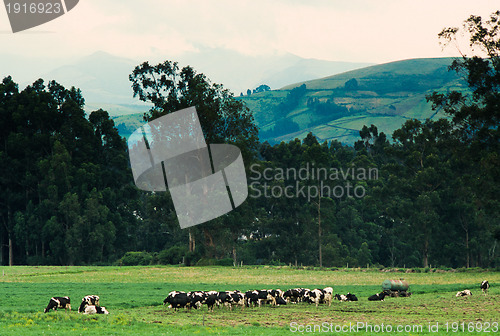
column 103, row 79
column 337, row 107
column 240, row 72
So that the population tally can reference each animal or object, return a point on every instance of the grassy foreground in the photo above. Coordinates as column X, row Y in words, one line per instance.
column 134, row 296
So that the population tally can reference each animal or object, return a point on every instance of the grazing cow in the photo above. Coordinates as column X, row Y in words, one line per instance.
column 292, row 295
column 58, row 302
column 378, row 297
column 315, row 296
column 326, row 298
column 328, row 290
column 280, row 301
column 464, row 293
column 224, row 298
column 177, row 300
column 266, row 297
column 89, row 300
column 295, row 295
column 238, row 299
column 257, row 297
column 211, row 299
column 303, row 292
column 252, row 297
column 196, row 299
column 485, row 285
column 277, row 294
column 95, row 310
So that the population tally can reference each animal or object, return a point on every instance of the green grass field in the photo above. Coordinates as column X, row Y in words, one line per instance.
column 134, row 297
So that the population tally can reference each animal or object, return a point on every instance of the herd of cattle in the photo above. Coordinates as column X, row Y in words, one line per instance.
column 274, row 297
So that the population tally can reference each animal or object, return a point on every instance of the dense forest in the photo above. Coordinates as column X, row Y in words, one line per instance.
column 428, row 196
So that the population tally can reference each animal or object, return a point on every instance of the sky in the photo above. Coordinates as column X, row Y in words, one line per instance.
column 336, row 30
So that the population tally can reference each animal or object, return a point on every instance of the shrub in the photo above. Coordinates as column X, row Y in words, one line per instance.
column 172, row 255
column 192, row 258
column 275, row 262
column 136, row 259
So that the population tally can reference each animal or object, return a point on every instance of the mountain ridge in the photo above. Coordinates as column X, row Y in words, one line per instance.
column 103, row 77
column 336, row 107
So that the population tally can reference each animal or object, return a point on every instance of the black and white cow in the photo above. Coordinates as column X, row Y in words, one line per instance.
column 251, row 297
column 211, row 299
column 351, row 297
column 315, row 296
column 346, row 298
column 89, row 300
column 277, row 294
column 318, row 296
column 266, row 297
column 177, row 300
column 291, row 295
column 58, row 302
column 340, row 297
column 327, row 296
column 224, row 298
column 465, row 292
column 196, row 299
column 238, row 299
column 95, row 310
column 258, row 297
column 378, row 297
column 278, row 297
column 280, row 301
column 295, row 295
column 485, row 285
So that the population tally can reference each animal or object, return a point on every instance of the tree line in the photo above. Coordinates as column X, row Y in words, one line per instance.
column 68, row 196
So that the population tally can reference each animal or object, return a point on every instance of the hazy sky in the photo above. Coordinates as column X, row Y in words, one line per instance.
column 349, row 30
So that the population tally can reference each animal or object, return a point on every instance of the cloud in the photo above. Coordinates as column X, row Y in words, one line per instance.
column 357, row 30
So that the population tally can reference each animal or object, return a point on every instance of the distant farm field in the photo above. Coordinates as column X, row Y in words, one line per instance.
column 134, row 296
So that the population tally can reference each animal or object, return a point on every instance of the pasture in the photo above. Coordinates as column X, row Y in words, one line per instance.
column 134, row 297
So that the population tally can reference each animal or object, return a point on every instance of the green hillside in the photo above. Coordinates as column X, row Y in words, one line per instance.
column 127, row 124
column 338, row 106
